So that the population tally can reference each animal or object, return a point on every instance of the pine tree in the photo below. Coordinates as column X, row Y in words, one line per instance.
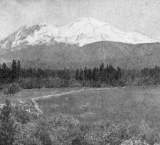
column 77, row 75
column 18, row 69
column 4, row 72
column 81, row 75
column 101, row 72
column 94, row 74
column 14, row 70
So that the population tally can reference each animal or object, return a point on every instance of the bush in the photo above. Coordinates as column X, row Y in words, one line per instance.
column 32, row 141
column 22, row 115
column 12, row 89
column 42, row 132
column 8, row 126
column 30, row 83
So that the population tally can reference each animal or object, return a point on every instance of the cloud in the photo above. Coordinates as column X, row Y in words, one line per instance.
column 26, row 1
column 15, row 13
column 128, row 15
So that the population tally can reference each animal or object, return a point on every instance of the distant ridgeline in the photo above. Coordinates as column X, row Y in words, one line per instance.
column 100, row 76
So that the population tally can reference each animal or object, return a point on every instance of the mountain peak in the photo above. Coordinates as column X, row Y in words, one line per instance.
column 89, row 20
column 87, row 30
column 82, row 31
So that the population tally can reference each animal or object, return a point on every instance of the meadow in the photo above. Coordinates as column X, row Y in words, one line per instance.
column 87, row 116
column 92, row 105
column 133, row 104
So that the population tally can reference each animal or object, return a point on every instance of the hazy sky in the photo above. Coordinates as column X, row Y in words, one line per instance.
column 129, row 15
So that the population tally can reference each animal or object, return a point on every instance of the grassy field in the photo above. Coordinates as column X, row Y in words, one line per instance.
column 95, row 115
column 131, row 104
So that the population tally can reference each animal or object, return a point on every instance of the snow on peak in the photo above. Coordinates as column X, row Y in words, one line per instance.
column 36, row 34
column 82, row 31
column 87, row 21
column 44, row 35
column 88, row 30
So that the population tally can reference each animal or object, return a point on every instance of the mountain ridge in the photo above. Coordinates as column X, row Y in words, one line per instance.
column 46, row 46
column 62, row 55
column 81, row 32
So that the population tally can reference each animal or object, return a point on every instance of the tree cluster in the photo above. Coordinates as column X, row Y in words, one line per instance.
column 103, row 75
column 93, row 77
column 10, row 74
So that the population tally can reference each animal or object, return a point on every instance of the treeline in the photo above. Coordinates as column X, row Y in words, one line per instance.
column 34, row 77
column 101, row 76
column 10, row 74
column 15, row 72
column 116, row 76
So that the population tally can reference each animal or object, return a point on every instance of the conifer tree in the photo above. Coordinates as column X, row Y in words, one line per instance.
column 14, row 70
column 18, row 69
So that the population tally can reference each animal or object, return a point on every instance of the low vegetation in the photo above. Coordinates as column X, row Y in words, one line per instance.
column 61, row 129
column 115, row 116
column 12, row 89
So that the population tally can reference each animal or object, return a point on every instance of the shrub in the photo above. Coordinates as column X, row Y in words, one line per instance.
column 22, row 115
column 42, row 132
column 7, row 125
column 12, row 89
column 32, row 141
column 30, row 83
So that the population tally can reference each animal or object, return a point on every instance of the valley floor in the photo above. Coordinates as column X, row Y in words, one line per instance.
column 98, row 104
column 112, row 113
column 135, row 104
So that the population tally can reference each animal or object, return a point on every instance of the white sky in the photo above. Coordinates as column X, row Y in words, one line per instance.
column 128, row 15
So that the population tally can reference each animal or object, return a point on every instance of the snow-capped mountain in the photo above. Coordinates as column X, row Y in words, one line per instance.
column 89, row 30
column 81, row 32
column 30, row 35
